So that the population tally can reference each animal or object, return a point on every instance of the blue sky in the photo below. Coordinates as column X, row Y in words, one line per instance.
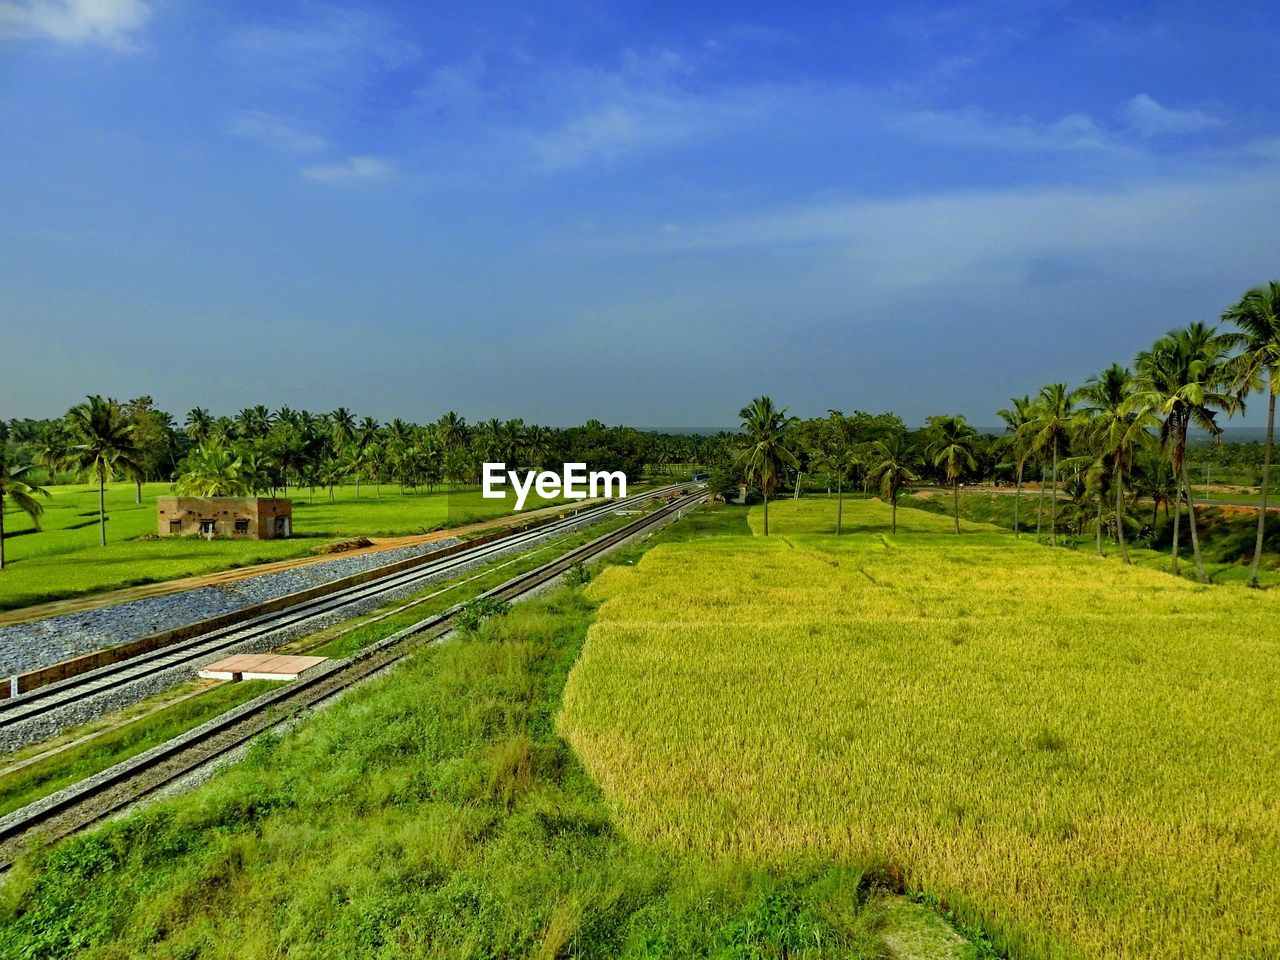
column 644, row 213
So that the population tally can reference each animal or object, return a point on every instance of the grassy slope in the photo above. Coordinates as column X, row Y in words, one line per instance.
column 1227, row 534
column 39, row 779
column 43, row 777
column 435, row 814
column 63, row 559
column 1075, row 754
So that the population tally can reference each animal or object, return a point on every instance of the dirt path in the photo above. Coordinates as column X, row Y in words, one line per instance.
column 111, row 597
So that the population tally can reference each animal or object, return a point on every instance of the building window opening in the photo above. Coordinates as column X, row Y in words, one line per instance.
column 242, row 527
column 207, row 528
column 175, row 526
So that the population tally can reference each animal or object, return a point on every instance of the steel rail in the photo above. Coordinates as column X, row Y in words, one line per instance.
column 100, row 796
column 50, row 697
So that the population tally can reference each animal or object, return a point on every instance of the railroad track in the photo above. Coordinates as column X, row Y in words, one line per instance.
column 51, row 697
column 111, row 791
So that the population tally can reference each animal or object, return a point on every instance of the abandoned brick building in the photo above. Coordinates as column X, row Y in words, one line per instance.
column 244, row 518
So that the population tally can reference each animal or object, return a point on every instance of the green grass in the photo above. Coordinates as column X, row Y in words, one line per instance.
column 63, row 559
column 1226, row 534
column 1072, row 755
column 349, row 638
column 433, row 813
column 44, row 777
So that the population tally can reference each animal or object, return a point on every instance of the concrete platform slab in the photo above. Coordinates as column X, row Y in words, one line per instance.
column 260, row 666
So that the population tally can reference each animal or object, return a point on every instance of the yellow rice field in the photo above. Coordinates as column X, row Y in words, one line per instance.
column 1079, row 756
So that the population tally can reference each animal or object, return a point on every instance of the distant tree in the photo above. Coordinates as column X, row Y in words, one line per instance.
column 102, row 448
column 343, row 426
column 153, row 437
column 199, row 424
column 211, row 470
column 835, row 452
column 1049, row 427
column 1018, row 444
column 768, row 451
column 15, row 489
column 894, row 463
column 1115, row 430
column 53, row 448
column 1183, row 379
column 1257, row 319
column 332, row 471
column 951, row 446
column 538, row 442
column 375, row 461
column 452, row 431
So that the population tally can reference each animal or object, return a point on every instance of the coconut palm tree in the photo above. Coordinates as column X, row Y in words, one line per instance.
column 199, row 423
column 343, row 428
column 53, row 448
column 211, row 470
column 375, row 459
column 1183, row 380
column 1016, row 441
column 1115, row 430
column 1257, row 318
column 538, row 442
column 453, row 431
column 894, row 466
column 1049, row 428
column 951, row 447
column 21, row 493
column 103, row 447
column 768, row 452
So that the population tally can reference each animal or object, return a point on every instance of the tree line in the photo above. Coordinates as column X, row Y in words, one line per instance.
column 261, row 451
column 1122, row 435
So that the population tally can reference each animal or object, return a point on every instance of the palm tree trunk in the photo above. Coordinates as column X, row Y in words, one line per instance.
column 1177, row 520
column 766, row 513
column 1040, row 505
column 894, row 513
column 1178, row 504
column 102, row 505
column 137, row 490
column 1017, row 501
column 839, row 505
column 1053, row 498
column 1266, row 469
column 1, row 529
column 1119, row 480
column 1098, row 532
column 1191, row 519
column 955, row 502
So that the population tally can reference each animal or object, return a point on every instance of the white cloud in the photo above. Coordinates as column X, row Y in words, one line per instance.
column 111, row 23
column 363, row 167
column 974, row 127
column 332, row 48
column 1151, row 118
column 592, row 115
column 275, row 132
column 1211, row 219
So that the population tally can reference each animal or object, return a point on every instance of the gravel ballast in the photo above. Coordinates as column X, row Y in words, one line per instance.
column 27, row 646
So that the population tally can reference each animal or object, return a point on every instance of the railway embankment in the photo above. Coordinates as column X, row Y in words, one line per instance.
column 39, row 643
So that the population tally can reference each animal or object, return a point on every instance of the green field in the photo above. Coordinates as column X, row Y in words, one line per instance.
column 63, row 558
column 435, row 813
column 1077, row 756
column 1227, row 534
